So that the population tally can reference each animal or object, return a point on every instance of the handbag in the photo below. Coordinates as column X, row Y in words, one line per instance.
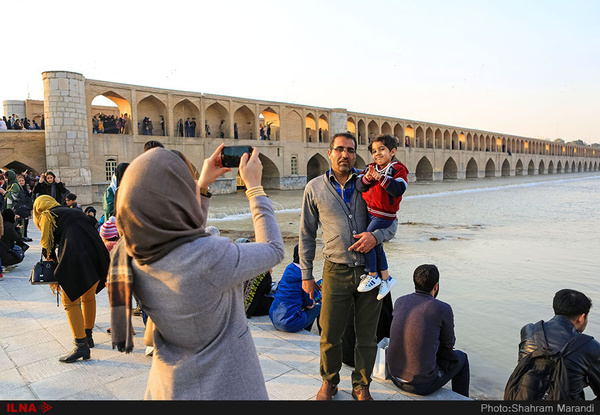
column 380, row 368
column 43, row 273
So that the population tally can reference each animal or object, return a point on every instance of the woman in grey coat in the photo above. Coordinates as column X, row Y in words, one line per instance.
column 188, row 282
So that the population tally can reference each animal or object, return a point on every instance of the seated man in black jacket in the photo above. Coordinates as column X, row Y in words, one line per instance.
column 421, row 356
column 570, row 319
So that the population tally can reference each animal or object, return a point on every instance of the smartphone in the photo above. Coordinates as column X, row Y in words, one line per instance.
column 230, row 156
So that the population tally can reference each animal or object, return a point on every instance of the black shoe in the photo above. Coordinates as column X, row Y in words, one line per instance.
column 90, row 340
column 81, row 350
column 27, row 239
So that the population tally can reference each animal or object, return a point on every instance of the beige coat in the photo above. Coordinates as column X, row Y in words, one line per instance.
column 203, row 347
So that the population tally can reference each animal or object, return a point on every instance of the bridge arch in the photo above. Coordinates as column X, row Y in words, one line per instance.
column 153, row 108
column 386, row 128
column 311, row 128
column 551, row 167
column 373, row 130
column 270, row 174
column 559, row 167
column 351, row 126
column 269, row 118
column 122, row 104
column 439, row 143
column 447, row 143
column 419, row 137
column 399, row 134
column 108, row 103
column 505, row 170
column 450, row 169
column 519, row 168
column 362, row 133
column 469, row 141
column 490, row 168
column 429, row 138
column 410, row 135
column 424, row 170
column 472, row 171
column 292, row 127
column 542, row 167
column 183, row 110
column 316, row 166
column 323, row 129
column 530, row 168
column 19, row 167
column 360, row 163
column 243, row 123
column 216, row 119
column 455, row 140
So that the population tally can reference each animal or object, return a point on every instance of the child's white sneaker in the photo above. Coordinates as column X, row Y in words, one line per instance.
column 368, row 282
column 385, row 287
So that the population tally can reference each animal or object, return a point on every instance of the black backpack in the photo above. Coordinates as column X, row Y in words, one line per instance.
column 542, row 374
column 23, row 205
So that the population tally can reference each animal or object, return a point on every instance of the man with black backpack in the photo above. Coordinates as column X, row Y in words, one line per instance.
column 556, row 360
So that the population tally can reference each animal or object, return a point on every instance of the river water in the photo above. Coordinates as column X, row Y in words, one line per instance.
column 503, row 246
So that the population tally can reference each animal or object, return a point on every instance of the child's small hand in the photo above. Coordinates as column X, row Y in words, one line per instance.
column 369, row 173
column 376, row 176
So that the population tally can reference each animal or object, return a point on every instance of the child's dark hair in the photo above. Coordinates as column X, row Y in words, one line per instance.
column 388, row 140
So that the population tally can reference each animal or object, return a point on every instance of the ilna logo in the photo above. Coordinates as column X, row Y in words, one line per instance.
column 27, row 407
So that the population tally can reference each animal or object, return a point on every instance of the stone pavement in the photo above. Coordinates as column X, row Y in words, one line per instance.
column 34, row 333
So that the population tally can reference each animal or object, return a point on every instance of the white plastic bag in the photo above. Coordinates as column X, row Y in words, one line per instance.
column 380, row 368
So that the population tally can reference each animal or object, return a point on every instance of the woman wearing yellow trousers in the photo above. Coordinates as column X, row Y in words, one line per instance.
column 82, row 266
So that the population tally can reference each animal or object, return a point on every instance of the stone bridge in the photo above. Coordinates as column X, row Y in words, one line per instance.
column 293, row 144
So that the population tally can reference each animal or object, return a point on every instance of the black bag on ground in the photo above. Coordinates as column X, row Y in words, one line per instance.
column 43, row 272
column 11, row 256
column 542, row 374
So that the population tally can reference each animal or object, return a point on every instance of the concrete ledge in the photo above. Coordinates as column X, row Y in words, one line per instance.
column 35, row 333
column 290, row 363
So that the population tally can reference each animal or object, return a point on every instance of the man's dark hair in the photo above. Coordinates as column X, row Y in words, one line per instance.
column 571, row 303
column 345, row 135
column 151, row 144
column 389, row 141
column 425, row 277
column 71, row 196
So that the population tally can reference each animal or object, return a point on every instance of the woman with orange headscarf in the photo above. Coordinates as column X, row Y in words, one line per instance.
column 82, row 265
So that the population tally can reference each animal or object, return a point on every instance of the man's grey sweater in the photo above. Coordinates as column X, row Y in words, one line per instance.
column 323, row 206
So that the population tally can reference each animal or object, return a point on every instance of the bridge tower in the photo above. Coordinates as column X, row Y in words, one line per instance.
column 67, row 150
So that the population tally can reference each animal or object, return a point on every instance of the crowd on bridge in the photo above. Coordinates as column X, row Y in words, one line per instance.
column 163, row 256
column 13, row 122
column 111, row 124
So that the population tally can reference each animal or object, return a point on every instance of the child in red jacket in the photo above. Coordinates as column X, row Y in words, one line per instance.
column 382, row 185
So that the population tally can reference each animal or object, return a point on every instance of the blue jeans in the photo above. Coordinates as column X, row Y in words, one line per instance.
column 459, row 374
column 375, row 259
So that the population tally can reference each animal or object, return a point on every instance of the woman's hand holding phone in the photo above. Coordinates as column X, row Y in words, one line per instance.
column 212, row 168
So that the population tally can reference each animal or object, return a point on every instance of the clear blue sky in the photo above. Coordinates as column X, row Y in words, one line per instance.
column 528, row 68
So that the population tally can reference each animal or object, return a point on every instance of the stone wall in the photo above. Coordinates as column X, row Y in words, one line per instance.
column 25, row 146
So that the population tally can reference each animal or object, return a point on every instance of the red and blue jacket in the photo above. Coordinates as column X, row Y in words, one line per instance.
column 383, row 197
